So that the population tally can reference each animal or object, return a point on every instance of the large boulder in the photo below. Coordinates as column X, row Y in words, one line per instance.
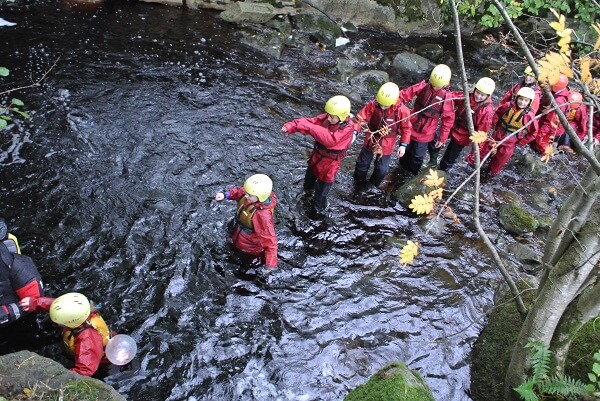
column 516, row 219
column 395, row 382
column 25, row 372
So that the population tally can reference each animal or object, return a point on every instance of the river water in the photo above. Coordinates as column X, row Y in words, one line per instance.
column 150, row 110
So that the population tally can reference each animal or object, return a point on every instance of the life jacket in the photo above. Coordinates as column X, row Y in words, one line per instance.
column 512, row 120
column 244, row 214
column 426, row 97
column 461, row 114
column 96, row 322
column 12, row 243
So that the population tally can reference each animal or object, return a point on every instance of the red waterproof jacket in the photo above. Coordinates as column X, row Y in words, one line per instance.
column 481, row 113
column 89, row 349
column 509, row 118
column 511, row 95
column 331, row 143
column 261, row 238
column 395, row 117
column 578, row 119
column 596, row 125
column 424, row 124
column 550, row 126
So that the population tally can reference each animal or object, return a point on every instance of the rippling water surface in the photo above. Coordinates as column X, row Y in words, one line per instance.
column 149, row 111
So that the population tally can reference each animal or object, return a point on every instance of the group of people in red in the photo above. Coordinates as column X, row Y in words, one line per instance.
column 85, row 333
column 438, row 116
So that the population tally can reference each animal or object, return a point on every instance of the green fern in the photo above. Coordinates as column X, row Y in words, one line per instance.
column 542, row 383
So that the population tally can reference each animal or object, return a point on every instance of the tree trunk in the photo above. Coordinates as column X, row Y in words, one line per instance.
column 564, row 282
column 583, row 309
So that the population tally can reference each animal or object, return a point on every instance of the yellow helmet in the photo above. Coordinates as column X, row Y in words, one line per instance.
column 388, row 94
column 70, row 310
column 259, row 185
column 440, row 76
column 338, row 106
column 526, row 92
column 486, row 85
column 529, row 71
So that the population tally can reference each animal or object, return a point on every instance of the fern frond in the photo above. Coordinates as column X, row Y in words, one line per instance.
column 541, row 357
column 525, row 390
column 562, row 385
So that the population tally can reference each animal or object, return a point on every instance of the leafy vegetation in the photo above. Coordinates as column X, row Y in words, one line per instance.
column 7, row 111
column 542, row 382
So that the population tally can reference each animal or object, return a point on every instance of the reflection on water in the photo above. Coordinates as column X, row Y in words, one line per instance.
column 149, row 111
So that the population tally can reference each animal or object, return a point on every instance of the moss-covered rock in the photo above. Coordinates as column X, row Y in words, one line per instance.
column 516, row 219
column 26, row 375
column 395, row 382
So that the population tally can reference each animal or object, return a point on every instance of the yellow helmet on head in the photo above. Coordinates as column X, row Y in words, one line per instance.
column 70, row 310
column 529, row 71
column 259, row 185
column 338, row 106
column 388, row 94
column 486, row 86
column 440, row 76
column 527, row 93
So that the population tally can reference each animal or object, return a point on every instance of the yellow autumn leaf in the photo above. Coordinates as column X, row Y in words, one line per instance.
column 27, row 391
column 557, row 15
column 422, row 204
column 478, row 137
column 432, row 179
column 597, row 29
column 409, row 252
column 556, row 26
column 437, row 193
column 548, row 153
column 595, row 87
column 584, row 67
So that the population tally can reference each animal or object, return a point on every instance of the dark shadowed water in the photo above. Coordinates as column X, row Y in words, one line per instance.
column 147, row 113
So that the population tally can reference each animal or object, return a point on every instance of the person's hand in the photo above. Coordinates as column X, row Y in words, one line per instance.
column 438, row 144
column 25, row 304
column 219, row 196
column 401, row 151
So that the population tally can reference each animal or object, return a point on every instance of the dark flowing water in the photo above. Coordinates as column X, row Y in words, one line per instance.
column 147, row 113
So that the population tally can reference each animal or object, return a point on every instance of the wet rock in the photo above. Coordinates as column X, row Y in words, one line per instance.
column 319, row 28
column 431, row 51
column 411, row 64
column 394, row 382
column 247, row 12
column 531, row 261
column 370, row 80
column 531, row 165
column 516, row 220
column 27, row 370
column 270, row 43
column 414, row 187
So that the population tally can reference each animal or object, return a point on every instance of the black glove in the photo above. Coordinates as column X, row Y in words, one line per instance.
column 9, row 313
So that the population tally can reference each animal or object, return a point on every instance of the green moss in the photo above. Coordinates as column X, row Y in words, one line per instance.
column 581, row 353
column 395, row 382
column 491, row 352
column 516, row 219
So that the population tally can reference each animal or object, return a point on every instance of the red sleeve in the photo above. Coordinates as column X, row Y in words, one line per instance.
column 32, row 289
column 447, row 118
column 407, row 94
column 367, row 111
column 42, row 303
column 235, row 193
column 532, row 128
column 265, row 232
column 583, row 121
column 88, row 352
column 405, row 124
column 339, row 139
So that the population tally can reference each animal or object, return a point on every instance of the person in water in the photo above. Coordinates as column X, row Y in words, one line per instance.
column 254, row 230
column 384, row 120
column 19, row 278
column 482, row 112
column 85, row 333
column 514, row 124
column 432, row 118
column 333, row 132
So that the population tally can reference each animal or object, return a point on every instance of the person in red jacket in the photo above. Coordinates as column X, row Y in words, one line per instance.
column 515, row 124
column 529, row 81
column 254, row 230
column 578, row 119
column 482, row 112
column 333, row 132
column 19, row 278
column 385, row 119
column 85, row 333
column 550, row 126
column 433, row 103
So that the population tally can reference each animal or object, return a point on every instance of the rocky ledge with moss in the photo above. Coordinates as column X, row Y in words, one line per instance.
column 26, row 375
